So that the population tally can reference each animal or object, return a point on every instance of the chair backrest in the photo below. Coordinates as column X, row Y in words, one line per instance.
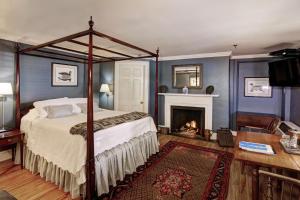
column 273, row 125
column 286, row 187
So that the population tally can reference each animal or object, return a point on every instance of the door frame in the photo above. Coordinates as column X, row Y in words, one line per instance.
column 146, row 82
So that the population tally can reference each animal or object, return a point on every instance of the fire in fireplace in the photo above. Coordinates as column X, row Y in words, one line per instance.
column 187, row 121
column 190, row 128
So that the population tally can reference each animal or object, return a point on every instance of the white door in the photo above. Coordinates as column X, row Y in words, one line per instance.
column 131, row 86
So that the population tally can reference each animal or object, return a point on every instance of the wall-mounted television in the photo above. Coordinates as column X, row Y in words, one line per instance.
column 285, row 72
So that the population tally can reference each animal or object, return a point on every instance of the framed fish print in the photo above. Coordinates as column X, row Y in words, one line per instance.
column 257, row 87
column 64, row 75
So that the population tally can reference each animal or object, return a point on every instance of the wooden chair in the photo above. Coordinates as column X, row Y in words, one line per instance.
column 287, row 187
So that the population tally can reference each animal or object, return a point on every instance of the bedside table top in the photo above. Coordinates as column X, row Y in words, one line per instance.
column 10, row 133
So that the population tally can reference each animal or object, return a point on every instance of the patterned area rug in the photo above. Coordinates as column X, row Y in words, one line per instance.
column 178, row 171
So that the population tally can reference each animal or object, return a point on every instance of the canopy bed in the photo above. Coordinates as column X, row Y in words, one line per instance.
column 72, row 52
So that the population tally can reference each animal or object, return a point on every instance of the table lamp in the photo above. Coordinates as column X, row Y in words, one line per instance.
column 105, row 88
column 5, row 89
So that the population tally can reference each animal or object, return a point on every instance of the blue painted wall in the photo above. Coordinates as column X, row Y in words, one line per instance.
column 215, row 72
column 295, row 105
column 286, row 104
column 106, row 74
column 233, row 93
column 36, row 80
column 152, row 89
column 96, row 83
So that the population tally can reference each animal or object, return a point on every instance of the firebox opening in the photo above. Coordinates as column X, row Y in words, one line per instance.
column 187, row 121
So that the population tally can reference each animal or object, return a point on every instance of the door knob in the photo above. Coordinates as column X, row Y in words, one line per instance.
column 141, row 102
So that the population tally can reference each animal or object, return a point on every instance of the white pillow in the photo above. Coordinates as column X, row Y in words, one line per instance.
column 42, row 112
column 79, row 102
column 40, row 105
column 48, row 102
column 57, row 111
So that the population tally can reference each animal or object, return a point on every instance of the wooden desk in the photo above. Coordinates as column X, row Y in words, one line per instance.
column 280, row 160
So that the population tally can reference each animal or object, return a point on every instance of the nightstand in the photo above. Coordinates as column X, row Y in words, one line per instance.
column 9, row 140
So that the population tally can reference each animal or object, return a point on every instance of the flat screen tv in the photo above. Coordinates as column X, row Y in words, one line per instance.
column 285, row 73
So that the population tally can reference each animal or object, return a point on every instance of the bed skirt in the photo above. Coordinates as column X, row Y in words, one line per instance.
column 111, row 165
column 62, row 178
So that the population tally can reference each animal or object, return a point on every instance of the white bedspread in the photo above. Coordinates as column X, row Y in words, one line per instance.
column 50, row 138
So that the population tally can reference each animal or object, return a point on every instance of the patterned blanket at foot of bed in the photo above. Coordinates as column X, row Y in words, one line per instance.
column 100, row 124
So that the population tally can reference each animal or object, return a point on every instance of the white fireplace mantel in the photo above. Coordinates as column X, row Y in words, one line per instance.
column 192, row 100
column 189, row 95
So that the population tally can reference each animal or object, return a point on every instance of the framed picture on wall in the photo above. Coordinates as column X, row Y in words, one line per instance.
column 64, row 75
column 257, row 87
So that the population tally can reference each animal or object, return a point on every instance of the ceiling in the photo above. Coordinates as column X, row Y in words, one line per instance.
column 177, row 27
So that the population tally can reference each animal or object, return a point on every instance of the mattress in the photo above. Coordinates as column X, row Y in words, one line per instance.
column 51, row 139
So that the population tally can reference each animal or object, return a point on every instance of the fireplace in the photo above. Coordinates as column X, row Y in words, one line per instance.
column 187, row 121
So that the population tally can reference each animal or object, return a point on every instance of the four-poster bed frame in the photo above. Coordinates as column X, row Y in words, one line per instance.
column 82, row 57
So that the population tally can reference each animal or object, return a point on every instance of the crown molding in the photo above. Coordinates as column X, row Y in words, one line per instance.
column 201, row 55
column 250, row 56
column 211, row 55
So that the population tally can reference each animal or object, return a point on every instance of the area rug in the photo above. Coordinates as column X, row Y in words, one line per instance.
column 178, row 171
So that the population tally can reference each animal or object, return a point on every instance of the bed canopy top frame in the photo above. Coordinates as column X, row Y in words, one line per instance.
column 89, row 58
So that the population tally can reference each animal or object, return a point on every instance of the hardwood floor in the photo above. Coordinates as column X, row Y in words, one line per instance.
column 22, row 184
column 26, row 186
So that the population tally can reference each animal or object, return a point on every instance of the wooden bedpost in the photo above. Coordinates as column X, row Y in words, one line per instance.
column 156, row 86
column 17, row 88
column 90, row 163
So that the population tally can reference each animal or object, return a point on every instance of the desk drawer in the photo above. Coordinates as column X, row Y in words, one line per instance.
column 8, row 141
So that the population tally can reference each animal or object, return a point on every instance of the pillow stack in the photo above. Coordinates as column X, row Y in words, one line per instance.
column 62, row 107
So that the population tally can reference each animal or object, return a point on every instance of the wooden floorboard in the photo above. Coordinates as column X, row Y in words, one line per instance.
column 26, row 186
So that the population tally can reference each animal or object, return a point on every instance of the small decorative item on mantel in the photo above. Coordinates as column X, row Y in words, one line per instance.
column 185, row 90
column 163, row 89
column 210, row 89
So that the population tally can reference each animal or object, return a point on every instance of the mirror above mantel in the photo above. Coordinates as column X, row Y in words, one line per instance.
column 187, row 75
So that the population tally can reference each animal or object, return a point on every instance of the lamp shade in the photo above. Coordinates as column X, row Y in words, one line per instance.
column 104, row 88
column 5, row 88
